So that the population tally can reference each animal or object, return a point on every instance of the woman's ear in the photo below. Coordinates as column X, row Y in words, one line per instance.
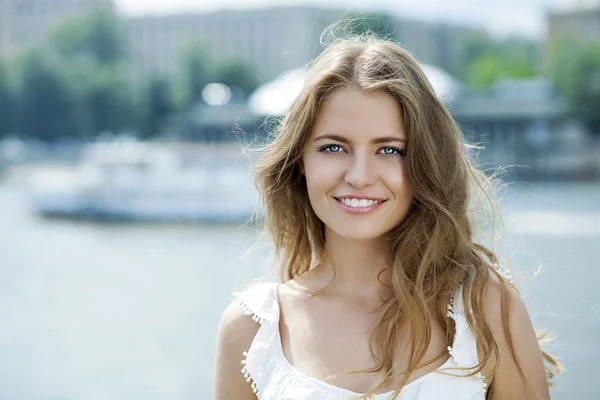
column 301, row 167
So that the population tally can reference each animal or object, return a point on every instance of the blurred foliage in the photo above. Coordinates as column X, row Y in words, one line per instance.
column 78, row 84
column 46, row 106
column 195, row 70
column 156, row 107
column 95, row 37
column 8, row 103
column 481, row 60
column 233, row 72
column 107, row 100
column 74, row 85
column 92, row 50
column 575, row 71
column 199, row 67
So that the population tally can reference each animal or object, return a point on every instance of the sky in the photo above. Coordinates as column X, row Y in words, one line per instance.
column 500, row 17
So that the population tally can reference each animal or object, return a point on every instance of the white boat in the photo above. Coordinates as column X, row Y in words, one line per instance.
column 138, row 181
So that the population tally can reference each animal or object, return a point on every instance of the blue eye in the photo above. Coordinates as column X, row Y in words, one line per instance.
column 392, row 151
column 332, row 148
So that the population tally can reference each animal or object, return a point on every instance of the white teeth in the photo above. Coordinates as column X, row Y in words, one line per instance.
column 358, row 203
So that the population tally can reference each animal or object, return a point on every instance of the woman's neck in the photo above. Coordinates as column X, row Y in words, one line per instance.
column 354, row 267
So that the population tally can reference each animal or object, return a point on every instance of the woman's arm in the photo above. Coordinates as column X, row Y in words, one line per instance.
column 236, row 332
column 508, row 383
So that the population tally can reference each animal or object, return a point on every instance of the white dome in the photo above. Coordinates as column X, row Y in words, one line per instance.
column 444, row 84
column 274, row 98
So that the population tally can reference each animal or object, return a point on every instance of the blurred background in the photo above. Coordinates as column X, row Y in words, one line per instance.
column 124, row 189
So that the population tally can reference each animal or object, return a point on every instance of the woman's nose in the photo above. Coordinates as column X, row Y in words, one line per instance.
column 361, row 173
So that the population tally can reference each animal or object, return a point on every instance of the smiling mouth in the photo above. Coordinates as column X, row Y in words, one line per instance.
column 358, row 203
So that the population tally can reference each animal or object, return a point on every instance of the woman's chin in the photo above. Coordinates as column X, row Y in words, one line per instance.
column 361, row 235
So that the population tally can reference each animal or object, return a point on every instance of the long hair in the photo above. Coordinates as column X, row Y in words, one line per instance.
column 433, row 252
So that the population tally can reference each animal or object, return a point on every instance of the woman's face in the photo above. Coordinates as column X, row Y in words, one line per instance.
column 354, row 164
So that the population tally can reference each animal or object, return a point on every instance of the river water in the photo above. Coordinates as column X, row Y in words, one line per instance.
column 115, row 311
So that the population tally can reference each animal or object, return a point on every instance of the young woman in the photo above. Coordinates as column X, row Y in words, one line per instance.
column 385, row 292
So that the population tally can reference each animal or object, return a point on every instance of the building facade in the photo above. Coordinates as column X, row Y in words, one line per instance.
column 24, row 23
column 580, row 23
column 434, row 43
column 271, row 40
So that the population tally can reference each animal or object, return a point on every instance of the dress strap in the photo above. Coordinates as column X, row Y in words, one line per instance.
column 260, row 301
column 464, row 348
column 464, row 345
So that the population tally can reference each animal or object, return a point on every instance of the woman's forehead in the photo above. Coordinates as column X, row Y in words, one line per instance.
column 352, row 111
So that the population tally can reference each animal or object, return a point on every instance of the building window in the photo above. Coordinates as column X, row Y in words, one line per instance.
column 21, row 8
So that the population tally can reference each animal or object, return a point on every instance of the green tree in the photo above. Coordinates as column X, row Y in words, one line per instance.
column 96, row 37
column 196, row 70
column 520, row 57
column 47, row 110
column 232, row 72
column 575, row 70
column 484, row 71
column 470, row 48
column 106, row 99
column 8, row 104
column 156, row 107
column 92, row 55
column 483, row 60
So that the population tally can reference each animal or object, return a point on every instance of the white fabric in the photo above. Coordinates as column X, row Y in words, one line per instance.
column 273, row 377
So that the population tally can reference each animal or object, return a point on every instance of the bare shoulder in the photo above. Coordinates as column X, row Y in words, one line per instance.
column 520, row 373
column 235, row 324
column 236, row 332
column 499, row 297
column 502, row 302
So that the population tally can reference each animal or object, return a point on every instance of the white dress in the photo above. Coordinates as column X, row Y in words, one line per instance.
column 273, row 377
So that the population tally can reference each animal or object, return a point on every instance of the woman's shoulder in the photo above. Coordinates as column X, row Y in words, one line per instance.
column 239, row 325
column 258, row 301
column 241, row 319
column 235, row 326
column 503, row 308
column 519, row 353
column 255, row 303
column 502, row 297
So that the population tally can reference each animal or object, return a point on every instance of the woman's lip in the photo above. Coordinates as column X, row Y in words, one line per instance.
column 359, row 210
column 359, row 198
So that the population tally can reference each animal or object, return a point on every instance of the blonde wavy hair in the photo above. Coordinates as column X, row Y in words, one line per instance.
column 433, row 252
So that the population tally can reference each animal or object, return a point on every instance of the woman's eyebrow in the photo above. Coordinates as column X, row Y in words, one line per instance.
column 379, row 140
column 387, row 139
column 337, row 138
